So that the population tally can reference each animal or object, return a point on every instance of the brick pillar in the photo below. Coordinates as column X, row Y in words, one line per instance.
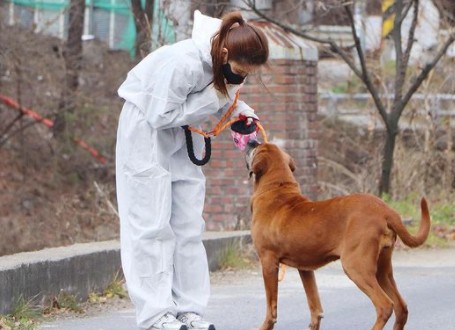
column 284, row 96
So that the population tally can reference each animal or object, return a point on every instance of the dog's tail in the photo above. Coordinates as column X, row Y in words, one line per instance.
column 424, row 228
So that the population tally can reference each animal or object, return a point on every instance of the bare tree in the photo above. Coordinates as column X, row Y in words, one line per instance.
column 406, row 81
column 72, row 55
column 143, row 21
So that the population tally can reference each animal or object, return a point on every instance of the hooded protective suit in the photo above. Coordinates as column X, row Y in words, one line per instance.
column 160, row 191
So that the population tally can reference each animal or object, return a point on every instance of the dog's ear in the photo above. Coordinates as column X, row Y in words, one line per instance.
column 259, row 165
column 291, row 164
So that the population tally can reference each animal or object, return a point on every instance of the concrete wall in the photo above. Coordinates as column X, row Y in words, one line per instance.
column 83, row 268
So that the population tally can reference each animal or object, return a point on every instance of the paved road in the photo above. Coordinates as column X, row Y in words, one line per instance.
column 426, row 279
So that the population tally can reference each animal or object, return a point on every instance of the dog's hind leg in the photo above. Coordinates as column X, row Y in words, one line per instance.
column 387, row 282
column 312, row 294
column 270, row 265
column 360, row 264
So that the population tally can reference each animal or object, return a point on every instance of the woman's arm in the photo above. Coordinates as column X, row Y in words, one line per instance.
column 164, row 87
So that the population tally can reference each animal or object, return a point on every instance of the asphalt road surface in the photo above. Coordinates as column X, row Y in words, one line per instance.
column 425, row 278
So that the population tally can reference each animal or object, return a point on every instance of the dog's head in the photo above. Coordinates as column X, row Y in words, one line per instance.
column 265, row 157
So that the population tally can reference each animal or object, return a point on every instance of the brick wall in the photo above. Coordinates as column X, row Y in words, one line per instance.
column 286, row 102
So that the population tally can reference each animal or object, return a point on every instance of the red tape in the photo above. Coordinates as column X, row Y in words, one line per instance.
column 49, row 123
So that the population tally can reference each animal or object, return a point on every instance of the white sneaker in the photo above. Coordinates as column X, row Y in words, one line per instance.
column 194, row 321
column 168, row 322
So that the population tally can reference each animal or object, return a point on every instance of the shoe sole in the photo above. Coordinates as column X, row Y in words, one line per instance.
column 183, row 327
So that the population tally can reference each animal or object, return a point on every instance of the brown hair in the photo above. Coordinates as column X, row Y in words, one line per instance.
column 246, row 44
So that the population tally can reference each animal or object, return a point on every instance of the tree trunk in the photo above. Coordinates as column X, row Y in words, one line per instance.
column 73, row 62
column 387, row 161
column 143, row 20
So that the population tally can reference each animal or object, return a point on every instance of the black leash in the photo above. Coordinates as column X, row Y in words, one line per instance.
column 190, row 148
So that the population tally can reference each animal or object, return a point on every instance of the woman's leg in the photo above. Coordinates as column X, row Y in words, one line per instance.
column 144, row 200
column 191, row 286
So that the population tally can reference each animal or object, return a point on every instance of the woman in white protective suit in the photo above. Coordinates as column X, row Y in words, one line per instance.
column 160, row 191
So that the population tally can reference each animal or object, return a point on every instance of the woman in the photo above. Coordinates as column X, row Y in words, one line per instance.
column 160, row 191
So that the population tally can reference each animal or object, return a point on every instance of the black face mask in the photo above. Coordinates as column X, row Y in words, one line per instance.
column 231, row 77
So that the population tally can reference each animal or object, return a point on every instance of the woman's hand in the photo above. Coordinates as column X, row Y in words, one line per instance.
column 245, row 112
column 248, row 116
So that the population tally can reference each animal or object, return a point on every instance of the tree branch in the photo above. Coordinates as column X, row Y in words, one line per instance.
column 396, row 35
column 365, row 76
column 406, row 10
column 17, row 131
column 332, row 44
column 11, row 124
column 424, row 73
column 252, row 7
column 412, row 29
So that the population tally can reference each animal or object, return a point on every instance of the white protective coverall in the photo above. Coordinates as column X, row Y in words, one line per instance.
column 160, row 192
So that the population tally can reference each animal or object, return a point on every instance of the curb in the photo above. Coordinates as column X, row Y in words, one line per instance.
column 83, row 268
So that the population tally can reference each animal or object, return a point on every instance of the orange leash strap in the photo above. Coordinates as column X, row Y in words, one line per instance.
column 219, row 127
column 262, row 130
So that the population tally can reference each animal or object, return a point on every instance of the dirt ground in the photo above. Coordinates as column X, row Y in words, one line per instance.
column 52, row 192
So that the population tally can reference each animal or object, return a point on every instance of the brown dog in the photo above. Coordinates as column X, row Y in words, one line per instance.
column 359, row 229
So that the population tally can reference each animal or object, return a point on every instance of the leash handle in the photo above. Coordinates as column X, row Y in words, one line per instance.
column 190, row 148
column 207, row 140
column 263, row 133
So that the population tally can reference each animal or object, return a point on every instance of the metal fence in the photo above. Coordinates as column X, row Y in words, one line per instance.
column 359, row 109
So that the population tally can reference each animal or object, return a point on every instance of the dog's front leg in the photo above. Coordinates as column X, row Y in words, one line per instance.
column 312, row 294
column 270, row 265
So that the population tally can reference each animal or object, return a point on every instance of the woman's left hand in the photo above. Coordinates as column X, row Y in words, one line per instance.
column 248, row 115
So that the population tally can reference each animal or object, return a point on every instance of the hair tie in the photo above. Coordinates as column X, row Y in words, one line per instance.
column 234, row 25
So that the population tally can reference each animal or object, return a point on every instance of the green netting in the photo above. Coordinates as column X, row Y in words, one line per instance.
column 111, row 4
column 162, row 28
column 48, row 4
column 116, row 5
column 129, row 35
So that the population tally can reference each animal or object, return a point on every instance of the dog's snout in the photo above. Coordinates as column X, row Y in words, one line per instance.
column 252, row 144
